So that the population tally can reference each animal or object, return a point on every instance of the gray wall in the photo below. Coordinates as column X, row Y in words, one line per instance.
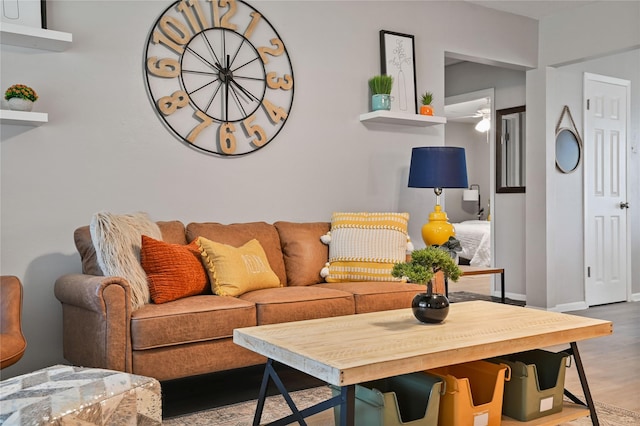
column 105, row 149
column 554, row 222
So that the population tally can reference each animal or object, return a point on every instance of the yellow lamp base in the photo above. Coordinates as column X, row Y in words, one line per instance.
column 438, row 230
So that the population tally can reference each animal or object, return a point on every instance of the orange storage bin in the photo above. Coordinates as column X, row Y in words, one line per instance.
column 473, row 393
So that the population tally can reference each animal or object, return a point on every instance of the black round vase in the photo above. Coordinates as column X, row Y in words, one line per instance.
column 430, row 307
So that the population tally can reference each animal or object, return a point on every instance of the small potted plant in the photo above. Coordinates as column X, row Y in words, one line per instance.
column 380, row 86
column 424, row 264
column 426, row 99
column 20, row 97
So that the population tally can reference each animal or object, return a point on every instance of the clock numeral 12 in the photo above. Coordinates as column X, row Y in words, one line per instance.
column 223, row 21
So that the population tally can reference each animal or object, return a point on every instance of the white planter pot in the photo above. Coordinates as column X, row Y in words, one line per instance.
column 19, row 104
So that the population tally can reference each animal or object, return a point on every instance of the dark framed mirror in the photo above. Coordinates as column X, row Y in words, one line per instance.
column 568, row 150
column 510, row 150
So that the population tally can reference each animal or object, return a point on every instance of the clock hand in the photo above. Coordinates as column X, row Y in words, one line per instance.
column 244, row 91
column 226, row 83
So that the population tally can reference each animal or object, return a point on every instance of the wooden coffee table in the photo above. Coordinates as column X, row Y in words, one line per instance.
column 347, row 350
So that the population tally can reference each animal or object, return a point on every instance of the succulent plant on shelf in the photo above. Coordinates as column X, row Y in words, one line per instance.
column 21, row 91
column 381, row 84
column 427, row 98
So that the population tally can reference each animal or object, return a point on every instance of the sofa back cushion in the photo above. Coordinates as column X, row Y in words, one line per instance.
column 303, row 251
column 172, row 232
column 238, row 234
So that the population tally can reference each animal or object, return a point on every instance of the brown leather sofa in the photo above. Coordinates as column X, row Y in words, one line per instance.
column 13, row 344
column 193, row 335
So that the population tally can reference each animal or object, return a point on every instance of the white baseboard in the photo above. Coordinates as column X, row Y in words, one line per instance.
column 568, row 307
column 635, row 297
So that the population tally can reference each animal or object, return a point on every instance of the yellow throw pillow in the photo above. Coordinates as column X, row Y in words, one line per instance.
column 236, row 270
column 365, row 246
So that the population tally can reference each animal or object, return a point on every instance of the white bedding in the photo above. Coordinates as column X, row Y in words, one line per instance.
column 475, row 238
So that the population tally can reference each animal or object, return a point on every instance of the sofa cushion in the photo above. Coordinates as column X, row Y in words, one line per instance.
column 365, row 246
column 237, row 234
column 193, row 319
column 276, row 305
column 236, row 270
column 173, row 271
column 378, row 296
column 172, row 232
column 304, row 253
column 117, row 239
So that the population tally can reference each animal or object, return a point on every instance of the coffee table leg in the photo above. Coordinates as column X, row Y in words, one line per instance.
column 348, row 405
column 585, row 386
column 263, row 393
column 346, row 400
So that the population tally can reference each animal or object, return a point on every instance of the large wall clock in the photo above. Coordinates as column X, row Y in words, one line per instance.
column 219, row 75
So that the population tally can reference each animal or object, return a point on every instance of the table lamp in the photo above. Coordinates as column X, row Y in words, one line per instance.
column 438, row 167
column 473, row 195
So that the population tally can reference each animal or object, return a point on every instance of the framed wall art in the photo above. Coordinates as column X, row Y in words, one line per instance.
column 397, row 59
column 30, row 13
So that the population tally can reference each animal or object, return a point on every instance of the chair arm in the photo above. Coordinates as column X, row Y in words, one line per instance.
column 96, row 314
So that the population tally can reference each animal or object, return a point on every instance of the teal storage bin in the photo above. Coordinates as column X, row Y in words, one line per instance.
column 536, row 386
column 408, row 400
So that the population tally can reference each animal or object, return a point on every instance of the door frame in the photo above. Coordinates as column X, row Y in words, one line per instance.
column 627, row 84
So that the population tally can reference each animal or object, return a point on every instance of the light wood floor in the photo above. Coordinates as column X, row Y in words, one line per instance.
column 612, row 363
column 480, row 284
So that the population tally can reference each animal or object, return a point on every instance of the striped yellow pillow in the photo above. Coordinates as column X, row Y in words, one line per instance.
column 365, row 246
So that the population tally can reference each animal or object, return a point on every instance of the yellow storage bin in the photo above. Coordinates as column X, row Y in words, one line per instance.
column 473, row 393
column 407, row 400
column 536, row 386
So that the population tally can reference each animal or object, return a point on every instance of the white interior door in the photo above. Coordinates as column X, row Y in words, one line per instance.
column 606, row 114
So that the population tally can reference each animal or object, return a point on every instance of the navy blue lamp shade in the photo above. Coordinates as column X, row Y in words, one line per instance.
column 438, row 167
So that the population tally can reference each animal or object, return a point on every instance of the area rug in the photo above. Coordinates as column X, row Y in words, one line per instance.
column 275, row 407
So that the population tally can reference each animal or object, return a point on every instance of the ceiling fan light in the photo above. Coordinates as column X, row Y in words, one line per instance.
column 483, row 125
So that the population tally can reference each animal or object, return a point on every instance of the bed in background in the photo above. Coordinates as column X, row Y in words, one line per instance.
column 475, row 238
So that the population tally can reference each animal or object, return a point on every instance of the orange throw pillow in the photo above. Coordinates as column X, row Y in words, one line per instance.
column 173, row 271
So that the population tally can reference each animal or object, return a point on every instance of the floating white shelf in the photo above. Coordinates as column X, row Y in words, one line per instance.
column 392, row 117
column 23, row 118
column 35, row 38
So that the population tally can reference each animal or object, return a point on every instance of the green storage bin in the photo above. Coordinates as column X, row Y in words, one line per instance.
column 409, row 400
column 536, row 386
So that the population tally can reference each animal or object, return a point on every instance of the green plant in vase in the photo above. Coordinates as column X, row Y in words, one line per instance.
column 426, row 99
column 424, row 265
column 380, row 86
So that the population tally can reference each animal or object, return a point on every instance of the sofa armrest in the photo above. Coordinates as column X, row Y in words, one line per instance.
column 96, row 315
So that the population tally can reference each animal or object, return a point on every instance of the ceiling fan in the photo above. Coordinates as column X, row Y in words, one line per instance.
column 480, row 113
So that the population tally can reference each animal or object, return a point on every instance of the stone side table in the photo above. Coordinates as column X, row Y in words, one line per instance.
column 65, row 395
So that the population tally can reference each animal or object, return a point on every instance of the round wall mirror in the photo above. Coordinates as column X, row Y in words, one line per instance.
column 568, row 150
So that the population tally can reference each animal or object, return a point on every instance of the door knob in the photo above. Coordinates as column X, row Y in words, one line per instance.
column 624, row 205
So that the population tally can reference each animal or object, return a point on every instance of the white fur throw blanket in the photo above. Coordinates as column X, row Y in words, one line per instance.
column 117, row 240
